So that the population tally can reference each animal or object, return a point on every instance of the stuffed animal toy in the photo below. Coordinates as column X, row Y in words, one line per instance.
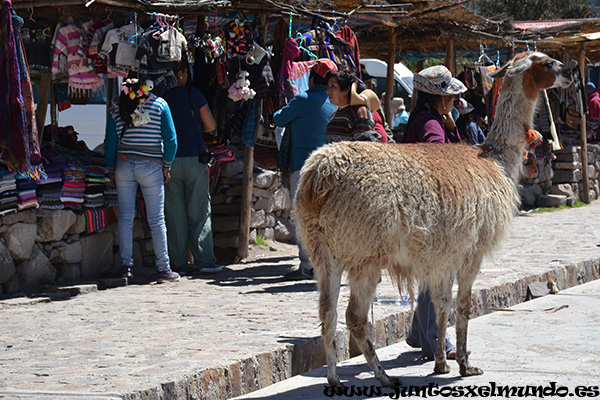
column 240, row 89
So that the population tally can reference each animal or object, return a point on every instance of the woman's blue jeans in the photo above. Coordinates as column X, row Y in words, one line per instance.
column 424, row 328
column 149, row 176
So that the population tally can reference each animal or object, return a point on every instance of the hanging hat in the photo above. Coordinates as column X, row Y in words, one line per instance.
column 398, row 103
column 366, row 98
column 323, row 65
column 464, row 107
column 438, row 80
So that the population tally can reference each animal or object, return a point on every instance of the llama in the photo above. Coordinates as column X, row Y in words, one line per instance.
column 427, row 211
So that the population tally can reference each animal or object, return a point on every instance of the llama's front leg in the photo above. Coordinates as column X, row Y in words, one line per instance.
column 362, row 289
column 329, row 291
column 463, row 308
column 442, row 300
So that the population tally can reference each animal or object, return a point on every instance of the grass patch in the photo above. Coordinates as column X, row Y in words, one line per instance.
column 577, row 204
column 261, row 241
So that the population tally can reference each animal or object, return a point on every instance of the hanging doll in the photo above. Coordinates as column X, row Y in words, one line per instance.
column 240, row 89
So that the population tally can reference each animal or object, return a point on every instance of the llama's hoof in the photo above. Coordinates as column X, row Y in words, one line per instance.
column 441, row 368
column 470, row 371
column 335, row 383
column 387, row 381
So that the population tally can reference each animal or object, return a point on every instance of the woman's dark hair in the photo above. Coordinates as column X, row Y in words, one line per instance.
column 345, row 78
column 425, row 102
column 182, row 65
column 318, row 79
column 127, row 106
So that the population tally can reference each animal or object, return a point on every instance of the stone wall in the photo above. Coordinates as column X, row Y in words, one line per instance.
column 568, row 176
column 41, row 247
column 560, row 181
column 271, row 205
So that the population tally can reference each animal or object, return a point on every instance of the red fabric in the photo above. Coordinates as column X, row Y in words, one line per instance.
column 379, row 126
column 594, row 105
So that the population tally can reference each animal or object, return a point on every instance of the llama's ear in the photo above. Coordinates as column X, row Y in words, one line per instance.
column 519, row 66
column 499, row 73
column 512, row 68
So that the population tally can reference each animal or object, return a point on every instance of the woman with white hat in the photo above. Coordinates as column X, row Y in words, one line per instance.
column 431, row 122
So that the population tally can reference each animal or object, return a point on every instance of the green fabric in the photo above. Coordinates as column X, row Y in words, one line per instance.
column 188, row 214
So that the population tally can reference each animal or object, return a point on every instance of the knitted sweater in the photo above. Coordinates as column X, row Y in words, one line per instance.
column 155, row 141
column 347, row 121
column 80, row 71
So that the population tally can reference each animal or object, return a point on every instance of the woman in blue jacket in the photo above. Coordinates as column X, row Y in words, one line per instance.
column 305, row 118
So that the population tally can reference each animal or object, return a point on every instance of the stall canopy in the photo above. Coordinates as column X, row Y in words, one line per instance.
column 562, row 36
column 421, row 26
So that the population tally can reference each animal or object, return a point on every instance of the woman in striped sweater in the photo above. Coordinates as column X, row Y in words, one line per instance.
column 140, row 146
column 353, row 115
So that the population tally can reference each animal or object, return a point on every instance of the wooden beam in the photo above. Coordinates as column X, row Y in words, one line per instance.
column 246, row 210
column 583, row 133
column 42, row 102
column 451, row 56
column 413, row 99
column 389, row 90
column 247, row 183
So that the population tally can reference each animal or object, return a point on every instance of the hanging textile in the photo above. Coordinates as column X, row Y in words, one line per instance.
column 18, row 129
column 352, row 53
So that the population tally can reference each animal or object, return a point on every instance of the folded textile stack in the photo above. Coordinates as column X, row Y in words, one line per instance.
column 95, row 176
column 8, row 192
column 49, row 189
column 73, row 192
column 110, row 194
column 26, row 193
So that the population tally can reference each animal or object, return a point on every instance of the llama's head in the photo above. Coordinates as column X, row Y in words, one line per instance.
column 538, row 71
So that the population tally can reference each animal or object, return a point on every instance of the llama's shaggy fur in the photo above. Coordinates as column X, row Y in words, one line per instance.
column 429, row 212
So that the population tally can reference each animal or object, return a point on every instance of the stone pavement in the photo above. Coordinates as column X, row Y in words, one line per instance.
column 222, row 336
column 549, row 339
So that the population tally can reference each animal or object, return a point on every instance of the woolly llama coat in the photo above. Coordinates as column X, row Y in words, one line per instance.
column 427, row 211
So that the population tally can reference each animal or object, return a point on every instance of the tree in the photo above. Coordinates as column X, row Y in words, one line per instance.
column 527, row 10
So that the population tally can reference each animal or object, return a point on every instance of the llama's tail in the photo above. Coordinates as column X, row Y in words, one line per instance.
column 317, row 180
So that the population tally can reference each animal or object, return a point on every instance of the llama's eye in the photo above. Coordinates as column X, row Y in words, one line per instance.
column 548, row 64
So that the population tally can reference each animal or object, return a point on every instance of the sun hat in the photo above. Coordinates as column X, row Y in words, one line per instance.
column 464, row 107
column 366, row 98
column 398, row 103
column 323, row 65
column 438, row 80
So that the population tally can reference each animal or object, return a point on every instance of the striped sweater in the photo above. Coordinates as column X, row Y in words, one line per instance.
column 348, row 121
column 156, row 141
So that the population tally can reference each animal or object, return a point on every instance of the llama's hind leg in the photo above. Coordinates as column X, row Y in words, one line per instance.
column 441, row 295
column 329, row 280
column 463, row 300
column 362, row 289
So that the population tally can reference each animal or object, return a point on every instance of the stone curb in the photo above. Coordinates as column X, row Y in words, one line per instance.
column 267, row 368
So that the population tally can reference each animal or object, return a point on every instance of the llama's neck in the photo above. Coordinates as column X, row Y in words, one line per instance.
column 507, row 134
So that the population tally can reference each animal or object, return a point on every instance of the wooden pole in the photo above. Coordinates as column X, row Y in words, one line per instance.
column 583, row 133
column 246, row 210
column 42, row 102
column 413, row 99
column 391, row 61
column 451, row 56
column 248, row 184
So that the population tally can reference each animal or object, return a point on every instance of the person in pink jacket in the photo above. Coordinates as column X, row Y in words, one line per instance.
column 593, row 101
